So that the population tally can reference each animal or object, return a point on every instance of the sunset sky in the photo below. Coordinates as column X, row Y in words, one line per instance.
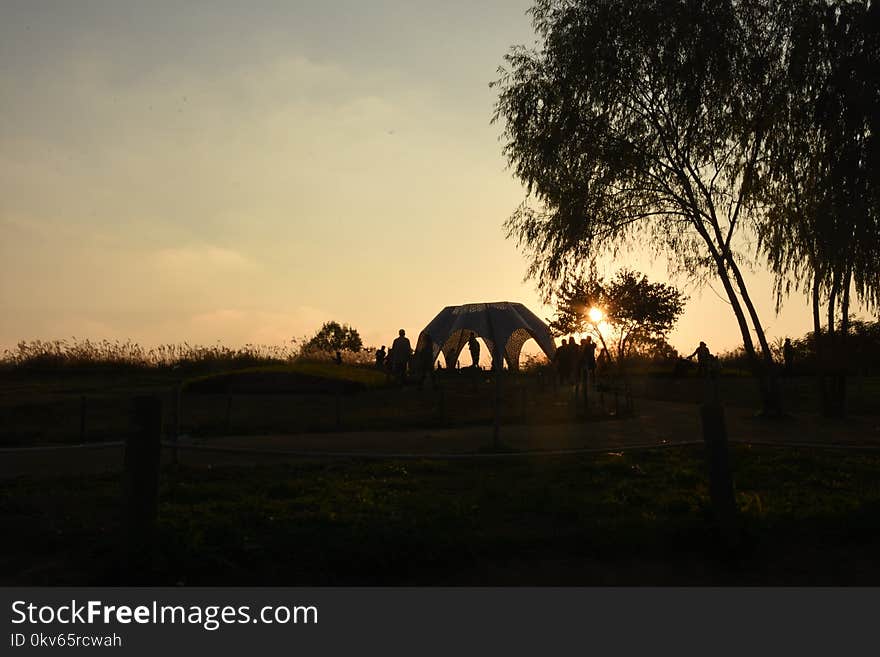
column 242, row 172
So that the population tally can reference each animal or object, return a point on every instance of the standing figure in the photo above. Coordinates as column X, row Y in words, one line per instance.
column 588, row 357
column 787, row 356
column 401, row 350
column 423, row 366
column 573, row 360
column 602, row 363
column 703, row 357
column 563, row 361
column 474, row 348
column 380, row 358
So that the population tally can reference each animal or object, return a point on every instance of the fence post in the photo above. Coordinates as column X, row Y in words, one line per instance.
column 720, row 479
column 141, row 485
column 82, row 419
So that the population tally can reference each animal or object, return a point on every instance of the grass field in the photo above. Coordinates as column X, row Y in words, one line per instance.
column 808, row 517
column 93, row 406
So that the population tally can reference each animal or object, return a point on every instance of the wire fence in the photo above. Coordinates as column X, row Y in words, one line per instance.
column 106, row 417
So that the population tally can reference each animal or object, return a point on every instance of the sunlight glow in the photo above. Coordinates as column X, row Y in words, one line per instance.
column 596, row 315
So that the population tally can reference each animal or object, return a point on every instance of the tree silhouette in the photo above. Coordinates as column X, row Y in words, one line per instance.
column 639, row 313
column 334, row 336
column 820, row 186
column 645, row 119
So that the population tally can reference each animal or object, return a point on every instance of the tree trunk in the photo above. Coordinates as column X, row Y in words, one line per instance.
column 830, row 368
column 819, row 346
column 841, row 357
column 748, row 345
column 771, row 395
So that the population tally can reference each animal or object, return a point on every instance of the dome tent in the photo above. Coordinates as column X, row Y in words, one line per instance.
column 502, row 325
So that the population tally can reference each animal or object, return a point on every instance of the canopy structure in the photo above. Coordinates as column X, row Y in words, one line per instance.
column 501, row 325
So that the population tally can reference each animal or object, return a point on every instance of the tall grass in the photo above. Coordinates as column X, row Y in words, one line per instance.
column 105, row 354
column 75, row 353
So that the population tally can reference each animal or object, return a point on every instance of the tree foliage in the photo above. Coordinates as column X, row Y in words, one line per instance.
column 334, row 336
column 639, row 313
column 655, row 122
column 819, row 184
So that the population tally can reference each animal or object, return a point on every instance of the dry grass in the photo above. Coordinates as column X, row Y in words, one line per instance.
column 106, row 354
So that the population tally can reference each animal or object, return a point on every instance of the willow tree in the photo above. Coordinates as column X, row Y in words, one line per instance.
column 645, row 121
column 820, row 185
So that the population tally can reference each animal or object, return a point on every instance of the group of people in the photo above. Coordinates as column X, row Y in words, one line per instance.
column 576, row 363
column 396, row 361
column 708, row 364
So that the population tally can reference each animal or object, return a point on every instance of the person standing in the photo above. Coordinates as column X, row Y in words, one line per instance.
column 563, row 358
column 401, row 351
column 380, row 358
column 585, row 363
column 787, row 356
column 588, row 357
column 474, row 348
column 703, row 357
column 423, row 366
column 602, row 362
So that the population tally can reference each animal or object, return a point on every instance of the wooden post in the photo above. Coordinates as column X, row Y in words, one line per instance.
column 82, row 419
column 720, row 479
column 141, row 485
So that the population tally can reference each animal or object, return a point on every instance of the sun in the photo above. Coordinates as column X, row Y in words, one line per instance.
column 596, row 315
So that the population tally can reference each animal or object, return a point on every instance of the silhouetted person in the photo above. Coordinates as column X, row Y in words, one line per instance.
column 557, row 360
column 401, row 350
column 338, row 357
column 587, row 364
column 787, row 356
column 703, row 358
column 474, row 347
column 423, row 364
column 563, row 359
column 380, row 358
column 602, row 363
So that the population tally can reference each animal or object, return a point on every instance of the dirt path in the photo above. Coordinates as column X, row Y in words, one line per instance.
column 657, row 423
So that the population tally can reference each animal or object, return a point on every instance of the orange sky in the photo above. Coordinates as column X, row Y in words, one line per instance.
column 242, row 174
